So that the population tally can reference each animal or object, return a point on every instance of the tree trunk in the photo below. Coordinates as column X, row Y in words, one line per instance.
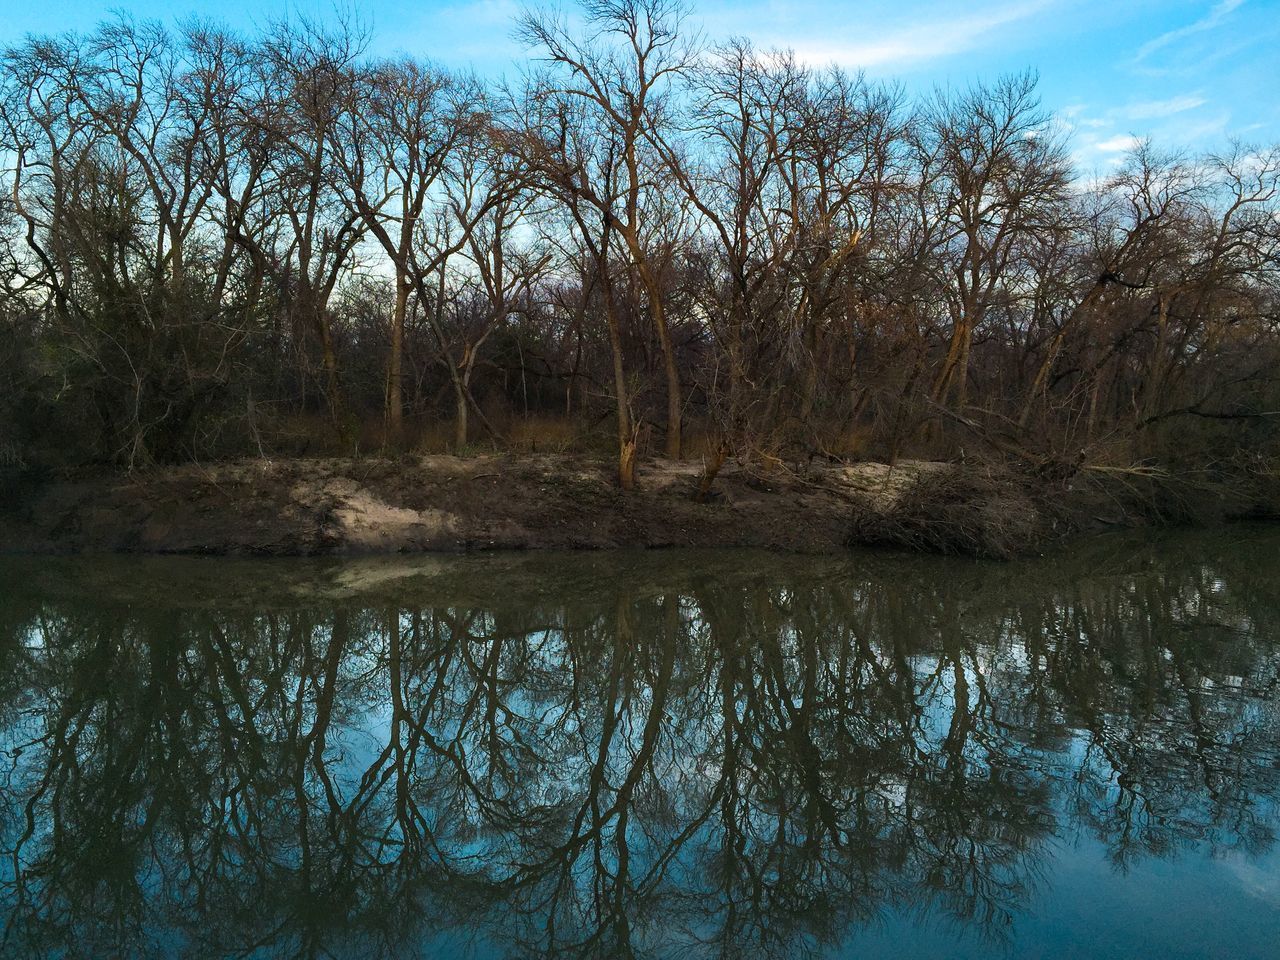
column 626, row 435
column 1154, row 383
column 954, row 367
column 675, row 403
column 462, row 388
column 333, row 388
column 460, row 418
column 1042, row 377
column 395, row 366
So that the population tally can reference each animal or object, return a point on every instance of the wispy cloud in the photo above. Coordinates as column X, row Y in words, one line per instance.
column 1154, row 109
column 1210, row 129
column 923, row 41
column 1076, row 118
column 1120, row 144
column 1254, row 881
column 1215, row 16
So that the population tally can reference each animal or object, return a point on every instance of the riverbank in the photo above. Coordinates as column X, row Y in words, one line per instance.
column 452, row 504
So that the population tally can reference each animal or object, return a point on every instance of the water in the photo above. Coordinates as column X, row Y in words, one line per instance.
column 654, row 755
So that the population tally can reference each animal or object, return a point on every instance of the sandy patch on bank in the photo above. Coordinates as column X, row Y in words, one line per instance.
column 442, row 503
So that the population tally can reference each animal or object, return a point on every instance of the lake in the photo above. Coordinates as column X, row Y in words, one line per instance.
column 663, row 754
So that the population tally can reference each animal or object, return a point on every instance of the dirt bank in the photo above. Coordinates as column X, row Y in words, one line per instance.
column 308, row 507
column 441, row 503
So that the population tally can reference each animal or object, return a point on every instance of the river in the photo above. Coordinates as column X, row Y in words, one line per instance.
column 665, row 754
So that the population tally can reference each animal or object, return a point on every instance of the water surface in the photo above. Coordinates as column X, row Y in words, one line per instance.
column 652, row 755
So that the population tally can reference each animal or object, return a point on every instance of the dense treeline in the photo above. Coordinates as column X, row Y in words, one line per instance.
column 216, row 245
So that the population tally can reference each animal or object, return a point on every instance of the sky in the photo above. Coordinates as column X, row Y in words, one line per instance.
column 1188, row 73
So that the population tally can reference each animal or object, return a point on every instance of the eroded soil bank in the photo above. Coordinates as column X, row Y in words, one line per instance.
column 442, row 503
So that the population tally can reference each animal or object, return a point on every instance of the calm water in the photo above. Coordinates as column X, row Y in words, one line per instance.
column 654, row 755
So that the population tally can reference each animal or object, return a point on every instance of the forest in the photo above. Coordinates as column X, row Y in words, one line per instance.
column 644, row 243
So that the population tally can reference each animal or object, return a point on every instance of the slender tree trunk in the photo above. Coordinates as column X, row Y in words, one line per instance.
column 626, row 433
column 1042, row 377
column 332, row 383
column 461, row 388
column 675, row 402
column 962, row 369
column 1153, row 387
column 337, row 409
column 954, row 366
column 460, row 428
column 395, row 366
column 809, row 384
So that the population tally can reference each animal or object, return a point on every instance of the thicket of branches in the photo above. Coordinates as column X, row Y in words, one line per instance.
column 216, row 245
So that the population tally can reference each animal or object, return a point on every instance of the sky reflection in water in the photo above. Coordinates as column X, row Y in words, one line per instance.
column 650, row 755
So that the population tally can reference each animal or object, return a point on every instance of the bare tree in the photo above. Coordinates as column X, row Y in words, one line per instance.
column 995, row 172
column 305, row 98
column 200, row 228
column 620, row 68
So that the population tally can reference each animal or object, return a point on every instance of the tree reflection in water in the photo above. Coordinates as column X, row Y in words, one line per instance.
column 712, row 755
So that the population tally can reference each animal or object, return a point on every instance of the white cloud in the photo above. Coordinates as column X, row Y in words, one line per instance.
column 1254, row 881
column 1152, row 109
column 1214, row 17
column 929, row 40
column 1140, row 110
column 1211, row 128
column 1118, row 144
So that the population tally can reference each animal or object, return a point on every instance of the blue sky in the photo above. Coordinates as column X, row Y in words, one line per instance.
column 1189, row 73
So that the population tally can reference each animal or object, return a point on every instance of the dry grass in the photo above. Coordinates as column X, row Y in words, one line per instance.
column 432, row 436
column 543, row 434
column 312, row 435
